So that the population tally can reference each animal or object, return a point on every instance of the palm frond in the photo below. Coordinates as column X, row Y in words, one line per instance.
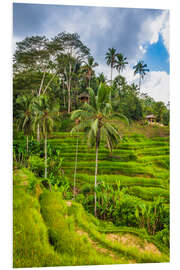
column 120, row 116
column 92, row 97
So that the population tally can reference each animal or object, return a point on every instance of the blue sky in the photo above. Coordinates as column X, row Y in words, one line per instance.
column 137, row 33
column 157, row 56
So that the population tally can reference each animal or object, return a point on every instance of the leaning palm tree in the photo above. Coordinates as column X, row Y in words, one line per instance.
column 141, row 69
column 25, row 116
column 96, row 119
column 120, row 62
column 111, row 59
column 46, row 112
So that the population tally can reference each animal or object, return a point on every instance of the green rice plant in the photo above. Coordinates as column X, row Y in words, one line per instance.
column 62, row 232
column 124, row 180
column 154, row 151
column 31, row 247
column 149, row 193
column 128, row 168
column 130, row 252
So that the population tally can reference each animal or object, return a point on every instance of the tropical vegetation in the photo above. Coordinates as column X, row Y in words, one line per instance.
column 91, row 174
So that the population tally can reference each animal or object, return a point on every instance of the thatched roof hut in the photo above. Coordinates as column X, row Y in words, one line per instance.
column 151, row 118
column 84, row 97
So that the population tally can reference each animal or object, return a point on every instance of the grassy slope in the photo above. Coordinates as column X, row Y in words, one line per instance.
column 49, row 231
column 139, row 163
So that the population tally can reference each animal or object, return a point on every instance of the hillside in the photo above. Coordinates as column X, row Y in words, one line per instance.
column 50, row 229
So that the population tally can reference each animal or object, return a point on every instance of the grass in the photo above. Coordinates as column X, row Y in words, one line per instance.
column 46, row 230
column 130, row 252
column 63, row 236
column 149, row 193
column 124, row 180
column 31, row 247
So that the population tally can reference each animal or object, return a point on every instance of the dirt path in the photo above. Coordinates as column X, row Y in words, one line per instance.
column 134, row 241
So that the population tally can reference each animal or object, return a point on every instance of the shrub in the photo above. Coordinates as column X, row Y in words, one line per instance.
column 163, row 236
column 36, row 164
column 86, row 188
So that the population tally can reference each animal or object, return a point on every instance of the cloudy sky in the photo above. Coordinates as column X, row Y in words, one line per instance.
column 137, row 33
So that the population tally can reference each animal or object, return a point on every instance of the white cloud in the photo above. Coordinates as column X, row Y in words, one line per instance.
column 165, row 34
column 143, row 49
column 153, row 27
column 14, row 40
column 156, row 84
column 87, row 24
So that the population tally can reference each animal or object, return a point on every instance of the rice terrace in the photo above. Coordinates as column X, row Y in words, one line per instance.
column 90, row 146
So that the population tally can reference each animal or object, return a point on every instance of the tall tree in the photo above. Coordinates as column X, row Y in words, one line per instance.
column 88, row 68
column 24, row 116
column 141, row 69
column 111, row 59
column 70, row 49
column 101, row 78
column 46, row 112
column 34, row 54
column 120, row 62
column 96, row 117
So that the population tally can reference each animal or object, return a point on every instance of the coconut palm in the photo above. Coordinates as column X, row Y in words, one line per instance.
column 76, row 156
column 25, row 116
column 111, row 59
column 120, row 62
column 141, row 69
column 96, row 119
column 88, row 68
column 101, row 78
column 46, row 112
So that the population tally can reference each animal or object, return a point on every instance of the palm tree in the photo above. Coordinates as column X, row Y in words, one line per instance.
column 88, row 68
column 120, row 62
column 101, row 78
column 75, row 166
column 45, row 116
column 111, row 59
column 96, row 119
column 141, row 69
column 25, row 116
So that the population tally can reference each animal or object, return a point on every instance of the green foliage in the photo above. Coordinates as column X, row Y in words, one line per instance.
column 86, row 188
column 133, row 177
column 31, row 247
column 62, row 231
column 149, row 193
column 163, row 236
column 36, row 164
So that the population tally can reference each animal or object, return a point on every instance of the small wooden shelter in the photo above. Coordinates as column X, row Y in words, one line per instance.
column 84, row 97
column 151, row 118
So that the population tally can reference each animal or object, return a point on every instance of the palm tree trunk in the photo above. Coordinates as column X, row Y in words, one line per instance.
column 38, row 133
column 111, row 74
column 96, row 171
column 75, row 168
column 139, row 82
column 45, row 156
column 64, row 100
column 49, row 83
column 69, row 101
column 27, row 144
column 42, row 81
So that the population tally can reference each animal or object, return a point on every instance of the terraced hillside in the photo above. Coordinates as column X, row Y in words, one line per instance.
column 50, row 231
column 139, row 163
